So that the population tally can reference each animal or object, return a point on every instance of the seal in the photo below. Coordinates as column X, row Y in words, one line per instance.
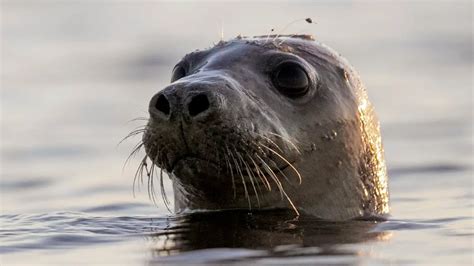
column 268, row 122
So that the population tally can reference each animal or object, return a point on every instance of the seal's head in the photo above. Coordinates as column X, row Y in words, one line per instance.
column 269, row 122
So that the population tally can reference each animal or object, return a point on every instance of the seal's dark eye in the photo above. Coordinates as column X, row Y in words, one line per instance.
column 291, row 79
column 178, row 72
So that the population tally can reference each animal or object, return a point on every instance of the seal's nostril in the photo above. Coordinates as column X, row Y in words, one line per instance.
column 163, row 105
column 198, row 104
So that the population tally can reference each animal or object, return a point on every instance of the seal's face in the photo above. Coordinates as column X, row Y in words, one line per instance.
column 250, row 120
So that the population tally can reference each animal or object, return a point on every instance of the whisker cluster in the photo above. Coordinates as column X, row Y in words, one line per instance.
column 251, row 165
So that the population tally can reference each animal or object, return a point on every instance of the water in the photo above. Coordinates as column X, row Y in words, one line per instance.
column 74, row 73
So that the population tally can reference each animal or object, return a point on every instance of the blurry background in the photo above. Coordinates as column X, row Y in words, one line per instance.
column 73, row 73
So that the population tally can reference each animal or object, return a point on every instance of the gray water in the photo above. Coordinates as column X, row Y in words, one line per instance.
column 73, row 74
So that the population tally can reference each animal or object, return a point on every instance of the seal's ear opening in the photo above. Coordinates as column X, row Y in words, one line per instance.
column 291, row 79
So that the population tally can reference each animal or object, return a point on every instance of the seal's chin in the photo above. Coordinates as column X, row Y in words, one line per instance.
column 192, row 167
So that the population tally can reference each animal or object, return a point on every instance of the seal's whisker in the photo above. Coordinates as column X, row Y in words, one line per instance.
column 155, row 169
column 153, row 177
column 280, row 171
column 243, row 179
column 138, row 119
column 135, row 150
column 138, row 173
column 291, row 203
column 250, row 175
column 151, row 173
column 271, row 142
column 163, row 192
column 148, row 178
column 133, row 133
column 260, row 174
column 151, row 187
column 145, row 167
column 274, row 164
column 287, row 140
column 286, row 161
column 231, row 171
column 282, row 190
column 140, row 127
column 272, row 174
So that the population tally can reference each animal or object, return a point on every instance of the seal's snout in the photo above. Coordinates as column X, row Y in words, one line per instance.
column 183, row 118
column 190, row 104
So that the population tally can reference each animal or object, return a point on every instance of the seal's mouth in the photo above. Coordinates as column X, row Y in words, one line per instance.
column 207, row 166
column 190, row 158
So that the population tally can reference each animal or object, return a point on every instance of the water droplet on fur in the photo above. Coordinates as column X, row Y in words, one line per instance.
column 332, row 135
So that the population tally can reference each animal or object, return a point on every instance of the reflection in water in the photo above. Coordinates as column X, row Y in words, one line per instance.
column 271, row 233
